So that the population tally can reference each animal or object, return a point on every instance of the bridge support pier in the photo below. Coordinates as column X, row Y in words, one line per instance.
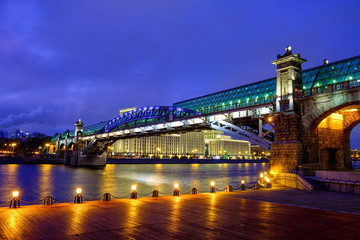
column 88, row 160
column 287, row 149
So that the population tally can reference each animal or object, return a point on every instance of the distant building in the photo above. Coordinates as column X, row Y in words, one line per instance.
column 258, row 151
column 187, row 144
column 217, row 144
column 4, row 134
column 355, row 153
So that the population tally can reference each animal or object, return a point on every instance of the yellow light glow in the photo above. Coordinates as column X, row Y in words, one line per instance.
column 212, row 183
column 133, row 187
column 267, row 180
column 47, row 145
column 15, row 194
column 176, row 185
column 78, row 190
column 271, row 172
column 242, row 181
column 265, row 173
column 14, row 144
column 261, row 175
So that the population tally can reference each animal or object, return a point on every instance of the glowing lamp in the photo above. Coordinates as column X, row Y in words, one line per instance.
column 271, row 172
column 176, row 185
column 212, row 183
column 242, row 181
column 261, row 175
column 78, row 190
column 268, row 180
column 15, row 194
column 265, row 173
column 133, row 187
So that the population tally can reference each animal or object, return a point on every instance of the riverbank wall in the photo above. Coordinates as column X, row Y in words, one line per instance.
column 28, row 160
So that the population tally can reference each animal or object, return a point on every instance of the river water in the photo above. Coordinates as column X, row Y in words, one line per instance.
column 35, row 181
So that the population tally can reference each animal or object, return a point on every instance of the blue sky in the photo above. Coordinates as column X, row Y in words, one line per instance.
column 65, row 60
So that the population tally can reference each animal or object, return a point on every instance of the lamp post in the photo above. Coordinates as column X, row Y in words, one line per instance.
column 13, row 145
column 158, row 151
column 47, row 148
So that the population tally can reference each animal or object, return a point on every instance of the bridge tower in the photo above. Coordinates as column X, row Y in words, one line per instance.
column 287, row 149
column 89, row 159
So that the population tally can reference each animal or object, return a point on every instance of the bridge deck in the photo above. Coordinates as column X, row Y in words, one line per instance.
column 204, row 216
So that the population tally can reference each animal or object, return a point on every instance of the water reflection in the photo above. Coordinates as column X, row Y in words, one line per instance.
column 36, row 181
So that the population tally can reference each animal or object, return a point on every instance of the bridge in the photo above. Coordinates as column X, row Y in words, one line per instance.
column 309, row 114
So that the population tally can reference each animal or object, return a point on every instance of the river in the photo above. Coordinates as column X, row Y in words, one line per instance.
column 35, row 181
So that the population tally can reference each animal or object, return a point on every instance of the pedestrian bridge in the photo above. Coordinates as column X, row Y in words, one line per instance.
column 309, row 116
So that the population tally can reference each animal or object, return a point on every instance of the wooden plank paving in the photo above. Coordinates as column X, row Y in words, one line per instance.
column 203, row 216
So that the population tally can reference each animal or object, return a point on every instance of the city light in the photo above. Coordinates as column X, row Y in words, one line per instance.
column 176, row 185
column 242, row 181
column 212, row 183
column 78, row 190
column 133, row 187
column 261, row 175
column 15, row 194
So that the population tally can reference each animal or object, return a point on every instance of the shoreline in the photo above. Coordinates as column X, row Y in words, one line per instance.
column 29, row 160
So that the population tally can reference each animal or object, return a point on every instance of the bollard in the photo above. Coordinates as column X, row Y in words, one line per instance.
column 194, row 191
column 15, row 202
column 133, row 194
column 212, row 188
column 228, row 188
column 242, row 186
column 256, row 186
column 155, row 193
column 48, row 201
column 78, row 197
column 176, row 190
column 268, row 184
column 107, row 197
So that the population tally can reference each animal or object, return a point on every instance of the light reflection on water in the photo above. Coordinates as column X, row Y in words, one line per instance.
column 36, row 181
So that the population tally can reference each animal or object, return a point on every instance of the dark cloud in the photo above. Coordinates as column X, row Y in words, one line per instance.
column 61, row 60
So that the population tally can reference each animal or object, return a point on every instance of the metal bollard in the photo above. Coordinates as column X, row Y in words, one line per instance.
column 14, row 203
column 48, row 201
column 78, row 198
column 194, row 191
column 107, row 197
column 176, row 192
column 133, row 195
column 155, row 193
column 228, row 188
column 212, row 189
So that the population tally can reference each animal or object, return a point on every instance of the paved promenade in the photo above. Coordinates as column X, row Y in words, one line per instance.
column 204, row 216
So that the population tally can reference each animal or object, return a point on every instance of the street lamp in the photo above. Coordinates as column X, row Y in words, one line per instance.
column 47, row 148
column 13, row 145
column 158, row 150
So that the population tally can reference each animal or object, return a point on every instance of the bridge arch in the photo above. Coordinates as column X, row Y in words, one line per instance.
column 148, row 115
column 328, row 134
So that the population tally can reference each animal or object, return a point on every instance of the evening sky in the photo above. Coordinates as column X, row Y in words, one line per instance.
column 70, row 59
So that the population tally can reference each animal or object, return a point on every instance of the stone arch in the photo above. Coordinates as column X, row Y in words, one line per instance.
column 328, row 134
column 62, row 150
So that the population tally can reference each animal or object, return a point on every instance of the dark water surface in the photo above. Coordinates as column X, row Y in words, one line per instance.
column 35, row 181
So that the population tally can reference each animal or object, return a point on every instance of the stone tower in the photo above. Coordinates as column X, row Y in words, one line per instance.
column 289, row 79
column 287, row 149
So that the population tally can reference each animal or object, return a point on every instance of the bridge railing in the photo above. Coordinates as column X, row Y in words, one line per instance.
column 332, row 87
column 236, row 105
column 311, row 168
